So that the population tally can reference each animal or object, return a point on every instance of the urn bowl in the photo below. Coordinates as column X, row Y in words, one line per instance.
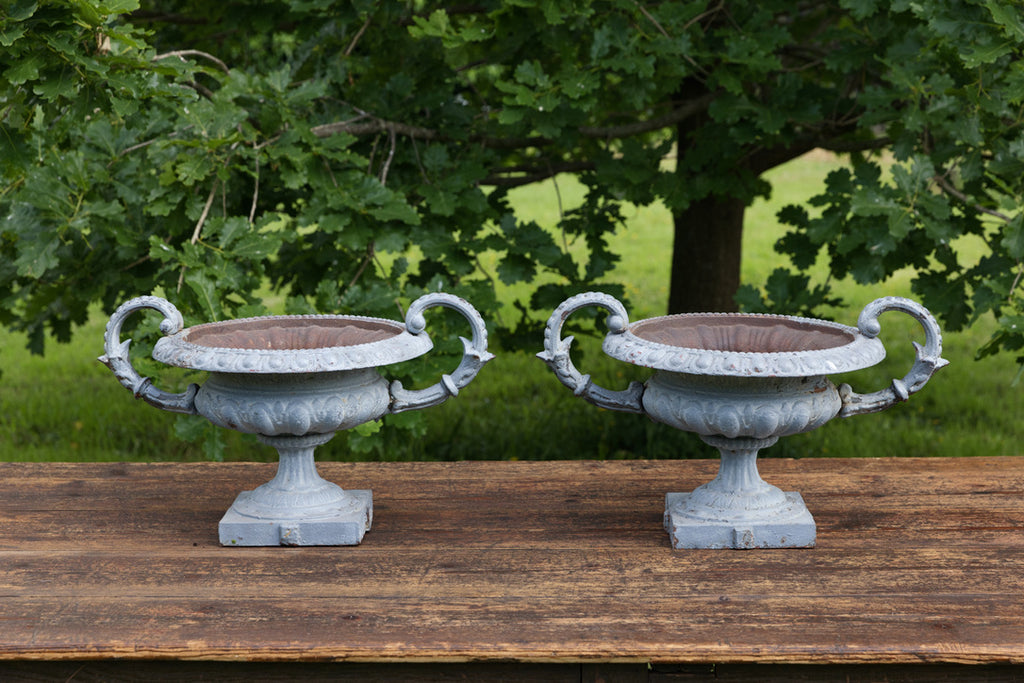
column 292, row 375
column 734, row 375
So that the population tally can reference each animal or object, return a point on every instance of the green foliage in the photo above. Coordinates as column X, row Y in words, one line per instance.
column 202, row 158
column 949, row 109
column 354, row 155
column 786, row 291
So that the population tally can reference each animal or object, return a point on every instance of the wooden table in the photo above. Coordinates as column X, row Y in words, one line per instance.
column 514, row 571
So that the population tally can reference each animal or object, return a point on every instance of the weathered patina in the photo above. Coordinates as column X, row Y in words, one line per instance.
column 741, row 381
column 295, row 381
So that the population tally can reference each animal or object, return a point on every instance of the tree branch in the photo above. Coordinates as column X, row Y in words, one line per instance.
column 255, row 188
column 534, row 174
column 387, row 162
column 193, row 53
column 761, row 160
column 359, row 34
column 371, row 250
column 375, row 125
column 681, row 113
column 847, row 146
column 650, row 18
column 950, row 189
column 199, row 228
column 360, row 126
column 515, row 176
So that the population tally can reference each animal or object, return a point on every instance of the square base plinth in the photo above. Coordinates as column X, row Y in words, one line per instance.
column 345, row 528
column 795, row 530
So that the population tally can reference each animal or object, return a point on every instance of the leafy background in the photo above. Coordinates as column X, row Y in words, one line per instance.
column 304, row 156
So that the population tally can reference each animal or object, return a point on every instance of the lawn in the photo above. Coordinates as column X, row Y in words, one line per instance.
column 66, row 406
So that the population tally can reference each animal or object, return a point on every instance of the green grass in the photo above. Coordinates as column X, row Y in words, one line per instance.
column 66, row 406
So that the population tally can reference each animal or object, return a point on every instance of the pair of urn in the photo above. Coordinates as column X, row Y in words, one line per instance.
column 740, row 381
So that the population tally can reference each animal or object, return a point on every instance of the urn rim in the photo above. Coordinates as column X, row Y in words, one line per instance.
column 744, row 345
column 284, row 344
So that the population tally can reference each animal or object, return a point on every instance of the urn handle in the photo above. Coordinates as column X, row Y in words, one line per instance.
column 116, row 357
column 475, row 354
column 928, row 358
column 556, row 353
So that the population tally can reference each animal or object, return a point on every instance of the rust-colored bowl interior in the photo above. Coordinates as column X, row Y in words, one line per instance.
column 741, row 333
column 282, row 334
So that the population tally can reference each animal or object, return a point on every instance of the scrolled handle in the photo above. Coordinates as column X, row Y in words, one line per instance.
column 475, row 354
column 117, row 359
column 928, row 357
column 556, row 353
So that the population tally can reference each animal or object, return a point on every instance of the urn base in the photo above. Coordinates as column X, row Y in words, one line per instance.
column 297, row 506
column 345, row 526
column 789, row 526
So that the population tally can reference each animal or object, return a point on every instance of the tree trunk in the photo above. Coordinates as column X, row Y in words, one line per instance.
column 708, row 239
column 706, row 256
column 708, row 235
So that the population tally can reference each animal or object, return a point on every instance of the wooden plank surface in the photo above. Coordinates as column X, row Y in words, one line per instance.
column 918, row 560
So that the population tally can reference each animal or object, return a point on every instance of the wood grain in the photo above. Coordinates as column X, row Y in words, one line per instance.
column 918, row 560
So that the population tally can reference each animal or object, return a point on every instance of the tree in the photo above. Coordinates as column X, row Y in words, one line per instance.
column 354, row 153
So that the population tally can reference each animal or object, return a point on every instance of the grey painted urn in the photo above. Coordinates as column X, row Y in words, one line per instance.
column 294, row 381
column 741, row 381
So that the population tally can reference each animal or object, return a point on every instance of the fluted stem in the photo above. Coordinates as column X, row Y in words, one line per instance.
column 297, row 490
column 296, row 467
column 738, row 490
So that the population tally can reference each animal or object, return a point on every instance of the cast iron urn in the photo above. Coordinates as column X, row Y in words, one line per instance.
column 741, row 381
column 295, row 381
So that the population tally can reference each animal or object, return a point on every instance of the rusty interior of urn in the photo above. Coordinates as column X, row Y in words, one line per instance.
column 291, row 334
column 741, row 333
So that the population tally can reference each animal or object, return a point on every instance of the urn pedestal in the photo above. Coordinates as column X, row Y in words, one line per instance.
column 738, row 509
